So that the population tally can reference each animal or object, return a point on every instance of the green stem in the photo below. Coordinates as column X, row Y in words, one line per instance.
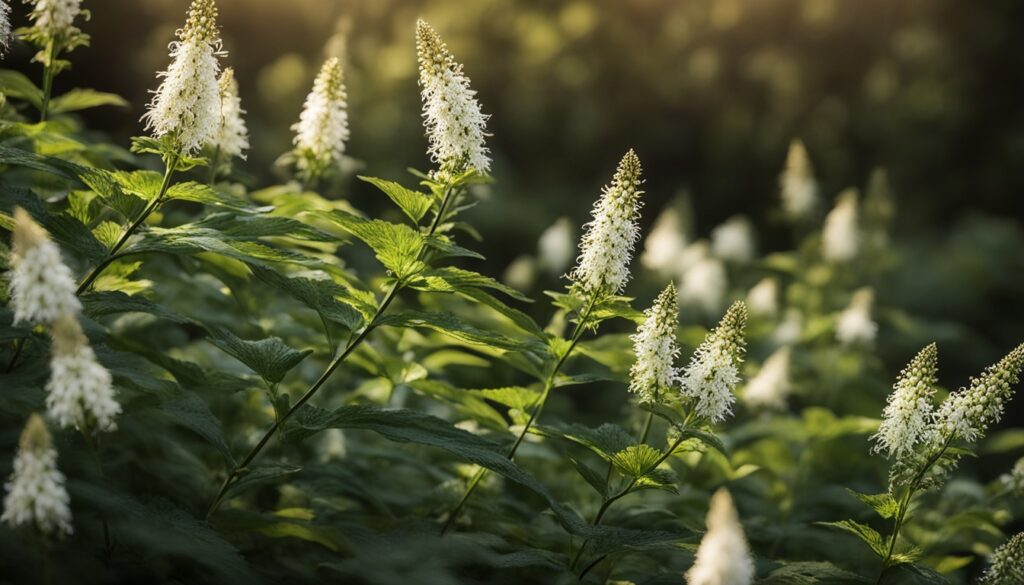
column 214, row 163
column 548, row 384
column 48, row 73
column 335, row 363
column 150, row 208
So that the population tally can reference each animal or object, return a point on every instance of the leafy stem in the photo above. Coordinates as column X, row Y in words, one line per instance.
column 449, row 194
column 581, row 327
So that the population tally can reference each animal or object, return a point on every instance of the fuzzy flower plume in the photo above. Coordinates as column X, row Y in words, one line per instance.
column 713, row 371
column 798, row 188
column 855, row 325
column 733, row 241
column 80, row 392
column 967, row 413
column 42, row 286
column 665, row 242
column 322, row 129
column 1006, row 564
column 35, row 492
column 186, row 107
column 607, row 246
column 555, row 248
column 654, row 343
column 840, row 238
column 724, row 555
column 54, row 18
column 909, row 410
column 456, row 128
column 771, row 386
column 232, row 137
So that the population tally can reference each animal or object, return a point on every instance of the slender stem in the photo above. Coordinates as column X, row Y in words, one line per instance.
column 150, row 208
column 48, row 73
column 19, row 345
column 214, row 163
column 335, row 363
column 573, row 341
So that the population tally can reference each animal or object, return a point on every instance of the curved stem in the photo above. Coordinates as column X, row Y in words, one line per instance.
column 335, row 363
column 548, row 384
column 150, row 208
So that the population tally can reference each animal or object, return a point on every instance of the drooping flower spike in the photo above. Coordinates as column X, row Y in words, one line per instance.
column 723, row 557
column 1006, row 566
column 322, row 129
column 654, row 343
column 713, row 372
column 967, row 413
column 232, row 138
column 42, row 286
column 35, row 493
column 909, row 409
column 456, row 127
column 186, row 107
column 80, row 392
column 606, row 248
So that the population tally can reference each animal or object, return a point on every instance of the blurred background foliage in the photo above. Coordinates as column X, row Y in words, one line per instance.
column 709, row 92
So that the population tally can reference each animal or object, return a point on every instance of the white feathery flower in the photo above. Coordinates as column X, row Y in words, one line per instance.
column 855, row 325
column 54, row 17
column 455, row 125
column 232, row 137
column 607, row 246
column 704, row 285
column 841, row 238
column 656, row 349
column 555, row 247
column 665, row 242
column 967, row 413
column 733, row 241
column 42, row 286
column 909, row 409
column 1014, row 480
column 723, row 557
column 322, row 129
column 713, row 371
column 771, row 386
column 1006, row 563
column 790, row 330
column 5, row 26
column 186, row 106
column 35, row 492
column 80, row 392
column 763, row 298
column 798, row 188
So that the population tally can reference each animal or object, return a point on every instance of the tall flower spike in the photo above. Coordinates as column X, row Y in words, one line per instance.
column 35, row 492
column 713, row 371
column 723, row 557
column 322, row 129
column 5, row 26
column 840, row 238
column 909, row 409
column 798, row 188
column 42, row 286
column 855, row 325
column 1006, row 564
column 607, row 246
column 733, row 241
column 54, row 18
column 763, row 298
column 456, row 128
column 232, row 137
column 656, row 349
column 771, row 386
column 967, row 413
column 186, row 106
column 80, row 392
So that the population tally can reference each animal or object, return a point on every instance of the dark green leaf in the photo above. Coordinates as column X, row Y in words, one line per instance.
column 271, row 358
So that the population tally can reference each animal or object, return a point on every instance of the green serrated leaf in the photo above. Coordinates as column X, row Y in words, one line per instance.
column 413, row 203
column 451, row 326
column 271, row 358
column 396, row 246
column 884, row 504
column 866, row 534
column 319, row 294
column 16, row 85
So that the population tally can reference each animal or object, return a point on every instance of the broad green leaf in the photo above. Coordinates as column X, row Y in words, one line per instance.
column 884, row 504
column 605, row 440
column 396, row 246
column 188, row 240
column 811, row 573
column 82, row 99
column 593, row 478
column 190, row 411
column 205, row 194
column 516, row 397
column 639, row 462
column 709, row 439
column 271, row 358
column 319, row 294
column 260, row 474
column 444, row 247
column 413, row 203
column 466, row 402
column 451, row 326
column 866, row 534
column 105, row 303
column 16, row 85
column 451, row 279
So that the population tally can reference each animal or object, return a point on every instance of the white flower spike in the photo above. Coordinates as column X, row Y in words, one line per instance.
column 322, row 129
column 5, row 27
column 841, row 238
column 654, row 343
column 80, row 392
column 186, row 106
column 967, row 413
column 763, row 298
column 456, row 128
column 713, row 371
column 855, row 325
column 798, row 188
column 54, row 18
column 704, row 284
column 1006, row 564
column 35, row 492
column 606, row 248
column 909, row 410
column 232, row 138
column 733, row 241
column 42, row 286
column 555, row 247
column 665, row 242
column 723, row 557
column 770, row 388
